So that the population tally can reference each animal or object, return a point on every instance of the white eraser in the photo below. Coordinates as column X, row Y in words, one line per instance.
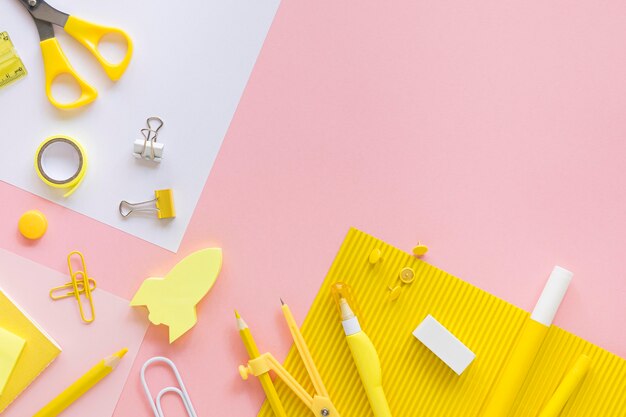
column 141, row 149
column 444, row 344
column 552, row 295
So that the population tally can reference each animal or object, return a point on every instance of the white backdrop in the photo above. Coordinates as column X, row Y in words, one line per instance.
column 190, row 66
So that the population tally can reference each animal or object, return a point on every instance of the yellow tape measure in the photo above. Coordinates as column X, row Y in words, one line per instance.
column 75, row 179
column 11, row 66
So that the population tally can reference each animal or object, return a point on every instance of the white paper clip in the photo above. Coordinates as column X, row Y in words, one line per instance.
column 181, row 391
column 148, row 148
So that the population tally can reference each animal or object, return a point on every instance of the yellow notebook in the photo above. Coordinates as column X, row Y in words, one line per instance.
column 39, row 350
column 415, row 381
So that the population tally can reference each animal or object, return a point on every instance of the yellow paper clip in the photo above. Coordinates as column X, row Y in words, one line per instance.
column 320, row 403
column 164, row 205
column 80, row 284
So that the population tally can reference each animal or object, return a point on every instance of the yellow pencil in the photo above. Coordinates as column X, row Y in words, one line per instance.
column 82, row 385
column 266, row 380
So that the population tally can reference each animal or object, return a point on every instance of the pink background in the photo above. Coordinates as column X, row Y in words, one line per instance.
column 493, row 132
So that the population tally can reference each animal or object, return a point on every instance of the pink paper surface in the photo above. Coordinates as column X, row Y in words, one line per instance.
column 491, row 131
column 83, row 346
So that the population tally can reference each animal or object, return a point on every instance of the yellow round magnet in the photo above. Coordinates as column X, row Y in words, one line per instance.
column 33, row 224
column 76, row 178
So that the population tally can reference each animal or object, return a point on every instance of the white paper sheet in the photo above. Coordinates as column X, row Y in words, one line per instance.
column 191, row 63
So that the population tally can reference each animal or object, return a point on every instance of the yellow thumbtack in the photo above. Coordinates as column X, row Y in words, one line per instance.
column 394, row 293
column 407, row 275
column 33, row 224
column 420, row 250
column 375, row 256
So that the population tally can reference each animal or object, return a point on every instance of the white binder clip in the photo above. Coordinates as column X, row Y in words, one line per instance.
column 148, row 148
column 181, row 391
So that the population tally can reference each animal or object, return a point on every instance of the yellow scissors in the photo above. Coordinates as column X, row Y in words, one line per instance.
column 54, row 60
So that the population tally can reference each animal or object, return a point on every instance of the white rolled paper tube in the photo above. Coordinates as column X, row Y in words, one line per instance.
column 552, row 295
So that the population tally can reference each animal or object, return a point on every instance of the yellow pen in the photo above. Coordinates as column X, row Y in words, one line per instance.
column 363, row 352
column 266, row 380
column 566, row 388
column 82, row 385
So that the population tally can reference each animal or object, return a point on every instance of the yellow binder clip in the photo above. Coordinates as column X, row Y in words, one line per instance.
column 320, row 403
column 164, row 205
column 80, row 284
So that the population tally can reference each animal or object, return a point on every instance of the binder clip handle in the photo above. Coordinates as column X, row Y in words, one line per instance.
column 127, row 208
column 163, row 205
column 156, row 120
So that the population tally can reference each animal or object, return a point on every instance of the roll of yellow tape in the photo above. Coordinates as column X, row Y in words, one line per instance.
column 75, row 179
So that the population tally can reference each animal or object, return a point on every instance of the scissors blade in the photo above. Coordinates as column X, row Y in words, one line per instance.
column 40, row 10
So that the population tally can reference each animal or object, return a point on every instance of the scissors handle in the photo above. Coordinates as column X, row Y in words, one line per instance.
column 90, row 35
column 55, row 63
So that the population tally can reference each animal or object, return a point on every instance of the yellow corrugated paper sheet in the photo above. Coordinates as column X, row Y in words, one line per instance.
column 39, row 351
column 415, row 381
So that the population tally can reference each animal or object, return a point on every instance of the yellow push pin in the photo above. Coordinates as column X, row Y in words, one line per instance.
column 420, row 250
column 407, row 275
column 375, row 256
column 33, row 224
column 394, row 293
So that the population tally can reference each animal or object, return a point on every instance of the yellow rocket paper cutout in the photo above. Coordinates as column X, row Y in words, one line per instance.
column 172, row 300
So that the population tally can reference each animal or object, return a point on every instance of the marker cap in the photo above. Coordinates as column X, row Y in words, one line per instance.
column 552, row 295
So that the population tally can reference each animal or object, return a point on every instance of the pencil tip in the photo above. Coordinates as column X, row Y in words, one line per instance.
column 282, row 302
column 237, row 314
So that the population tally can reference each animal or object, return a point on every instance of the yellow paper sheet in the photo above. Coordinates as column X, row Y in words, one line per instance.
column 39, row 351
column 11, row 347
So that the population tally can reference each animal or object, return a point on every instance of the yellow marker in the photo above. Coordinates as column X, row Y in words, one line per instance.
column 11, row 66
column 363, row 352
column 565, row 390
column 266, row 380
column 33, row 224
column 172, row 300
column 82, row 385
column 75, row 179
column 525, row 349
